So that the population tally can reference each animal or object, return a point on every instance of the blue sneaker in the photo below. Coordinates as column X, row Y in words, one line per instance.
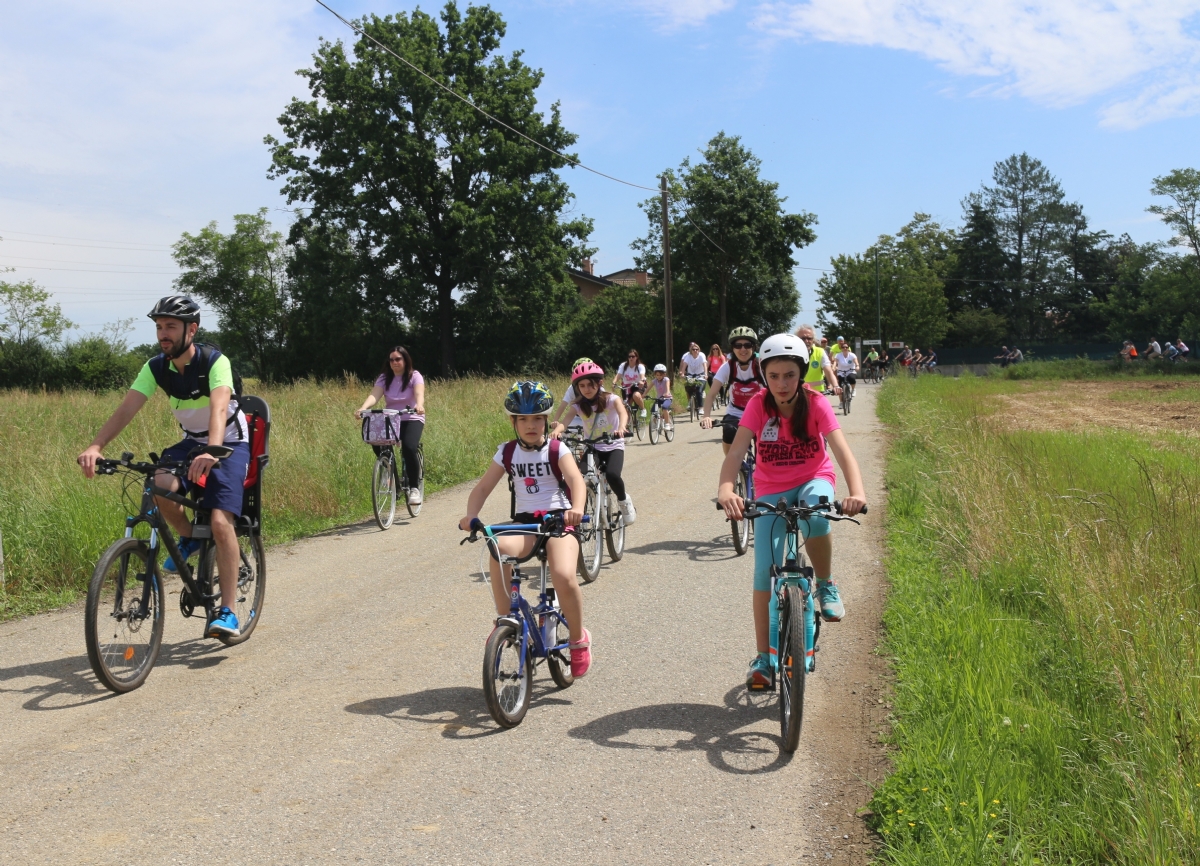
column 225, row 625
column 832, row 609
column 761, row 674
column 187, row 548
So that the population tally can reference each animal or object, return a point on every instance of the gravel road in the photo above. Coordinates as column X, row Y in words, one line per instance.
column 352, row 726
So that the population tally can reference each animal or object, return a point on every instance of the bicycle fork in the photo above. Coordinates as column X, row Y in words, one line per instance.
column 791, row 574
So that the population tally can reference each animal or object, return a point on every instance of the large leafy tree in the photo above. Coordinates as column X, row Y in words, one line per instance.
column 731, row 240
column 911, row 300
column 243, row 276
column 455, row 223
column 1182, row 186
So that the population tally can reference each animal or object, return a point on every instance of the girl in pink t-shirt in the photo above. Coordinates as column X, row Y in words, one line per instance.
column 790, row 424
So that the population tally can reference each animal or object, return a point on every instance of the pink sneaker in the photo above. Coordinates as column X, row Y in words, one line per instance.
column 581, row 655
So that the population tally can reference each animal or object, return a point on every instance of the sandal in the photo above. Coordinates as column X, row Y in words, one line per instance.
column 581, row 655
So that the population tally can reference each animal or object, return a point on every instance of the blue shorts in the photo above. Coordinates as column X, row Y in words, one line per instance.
column 663, row 403
column 769, row 531
column 223, row 486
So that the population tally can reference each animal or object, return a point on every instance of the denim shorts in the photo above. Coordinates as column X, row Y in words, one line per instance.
column 223, row 486
column 769, row 531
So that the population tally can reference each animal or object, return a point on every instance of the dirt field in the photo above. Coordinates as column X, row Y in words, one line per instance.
column 1078, row 406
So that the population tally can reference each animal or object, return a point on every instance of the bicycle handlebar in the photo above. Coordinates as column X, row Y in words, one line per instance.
column 551, row 525
column 755, row 508
column 599, row 440
column 156, row 464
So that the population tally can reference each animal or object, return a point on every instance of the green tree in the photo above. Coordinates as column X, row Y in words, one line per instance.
column 1182, row 186
column 455, row 222
column 29, row 315
column 243, row 276
column 731, row 239
column 912, row 296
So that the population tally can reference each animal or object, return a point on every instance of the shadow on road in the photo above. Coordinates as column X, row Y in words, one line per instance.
column 717, row 550
column 460, row 711
column 69, row 682
column 716, row 731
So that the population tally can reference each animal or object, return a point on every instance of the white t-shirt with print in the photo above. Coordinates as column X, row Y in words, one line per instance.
column 608, row 422
column 845, row 361
column 631, row 375
column 536, row 486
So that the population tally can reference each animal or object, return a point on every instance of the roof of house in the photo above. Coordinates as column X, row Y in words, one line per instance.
column 589, row 278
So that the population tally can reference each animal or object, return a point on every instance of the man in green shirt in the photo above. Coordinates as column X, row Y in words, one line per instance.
column 820, row 370
column 199, row 382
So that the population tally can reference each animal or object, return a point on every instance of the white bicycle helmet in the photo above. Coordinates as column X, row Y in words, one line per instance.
column 782, row 346
column 660, row 368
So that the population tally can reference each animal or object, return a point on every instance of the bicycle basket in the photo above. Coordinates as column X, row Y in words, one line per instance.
column 379, row 429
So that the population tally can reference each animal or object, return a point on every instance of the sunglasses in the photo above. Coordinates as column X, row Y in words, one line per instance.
column 395, row 359
column 632, row 356
column 743, row 345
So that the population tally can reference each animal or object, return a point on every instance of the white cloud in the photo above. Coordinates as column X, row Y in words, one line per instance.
column 1140, row 54
column 683, row 13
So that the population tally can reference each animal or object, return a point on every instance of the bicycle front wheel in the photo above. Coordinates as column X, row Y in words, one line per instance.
column 793, row 662
column 383, row 490
column 123, row 627
column 655, row 429
column 669, row 432
column 741, row 528
column 251, row 585
column 614, row 535
column 414, row 510
column 507, row 677
column 591, row 551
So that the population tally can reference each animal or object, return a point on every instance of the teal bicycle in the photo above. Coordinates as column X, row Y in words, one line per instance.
column 796, row 625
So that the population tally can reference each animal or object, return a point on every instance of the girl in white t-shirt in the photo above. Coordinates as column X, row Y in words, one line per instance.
column 631, row 379
column 601, row 413
column 536, row 464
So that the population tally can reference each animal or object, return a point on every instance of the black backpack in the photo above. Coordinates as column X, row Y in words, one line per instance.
column 192, row 384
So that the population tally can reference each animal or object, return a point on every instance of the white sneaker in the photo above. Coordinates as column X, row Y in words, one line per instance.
column 669, row 427
column 414, row 496
column 628, row 512
column 642, row 414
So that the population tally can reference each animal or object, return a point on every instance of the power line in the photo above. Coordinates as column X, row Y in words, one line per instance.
column 93, row 271
column 89, row 246
column 76, row 262
column 90, row 240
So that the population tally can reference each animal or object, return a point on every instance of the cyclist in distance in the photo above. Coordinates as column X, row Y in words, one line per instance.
column 661, row 385
column 715, row 359
column 402, row 386
column 819, row 372
column 535, row 465
column 744, row 378
column 846, row 363
column 631, row 377
column 693, row 363
column 199, row 381
column 568, row 398
column 873, row 359
column 602, row 413
column 790, row 423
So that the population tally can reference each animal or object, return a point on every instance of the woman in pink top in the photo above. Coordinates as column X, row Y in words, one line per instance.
column 402, row 388
column 791, row 425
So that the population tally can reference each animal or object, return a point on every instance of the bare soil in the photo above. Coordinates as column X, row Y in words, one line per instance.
column 1080, row 406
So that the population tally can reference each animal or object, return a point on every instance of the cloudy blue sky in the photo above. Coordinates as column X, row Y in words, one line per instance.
column 125, row 123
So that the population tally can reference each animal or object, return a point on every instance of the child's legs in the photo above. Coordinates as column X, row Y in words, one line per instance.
column 562, row 555
column 818, row 542
column 510, row 545
column 613, row 461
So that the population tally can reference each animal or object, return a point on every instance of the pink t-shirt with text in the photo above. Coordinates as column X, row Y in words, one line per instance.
column 783, row 462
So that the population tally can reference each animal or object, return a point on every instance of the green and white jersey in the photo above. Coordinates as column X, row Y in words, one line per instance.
column 192, row 415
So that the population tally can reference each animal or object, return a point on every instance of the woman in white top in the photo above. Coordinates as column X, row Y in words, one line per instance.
column 846, row 363
column 601, row 413
column 631, row 378
column 695, row 365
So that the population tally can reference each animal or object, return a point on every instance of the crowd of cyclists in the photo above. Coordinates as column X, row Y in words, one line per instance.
column 1167, row 351
column 776, row 395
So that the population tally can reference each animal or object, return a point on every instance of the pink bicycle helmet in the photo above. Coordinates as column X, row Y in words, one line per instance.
column 586, row 369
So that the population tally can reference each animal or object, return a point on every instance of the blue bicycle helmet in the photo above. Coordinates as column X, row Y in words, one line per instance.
column 528, row 398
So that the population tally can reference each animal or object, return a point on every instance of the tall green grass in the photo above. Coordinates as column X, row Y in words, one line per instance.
column 1043, row 621
column 1083, row 368
column 55, row 524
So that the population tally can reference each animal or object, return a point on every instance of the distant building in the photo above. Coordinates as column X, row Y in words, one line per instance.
column 590, row 285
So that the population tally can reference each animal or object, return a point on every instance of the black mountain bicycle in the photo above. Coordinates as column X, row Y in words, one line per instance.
column 124, row 615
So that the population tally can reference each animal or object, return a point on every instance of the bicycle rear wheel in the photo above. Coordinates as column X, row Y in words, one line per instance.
column 792, row 666
column 414, row 510
column 559, row 661
column 507, row 677
column 614, row 535
column 251, row 585
column 740, row 528
column 383, row 489
column 591, row 551
column 123, row 625
column 636, row 421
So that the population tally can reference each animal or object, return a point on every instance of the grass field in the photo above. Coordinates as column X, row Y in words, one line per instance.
column 1043, row 619
column 55, row 524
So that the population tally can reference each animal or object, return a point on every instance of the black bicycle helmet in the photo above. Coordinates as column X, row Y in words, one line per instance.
column 176, row 307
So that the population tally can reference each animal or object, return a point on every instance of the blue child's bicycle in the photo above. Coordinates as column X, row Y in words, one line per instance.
column 527, row 635
column 795, row 625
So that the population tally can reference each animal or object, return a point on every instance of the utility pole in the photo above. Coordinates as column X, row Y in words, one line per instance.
column 878, row 313
column 667, row 312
